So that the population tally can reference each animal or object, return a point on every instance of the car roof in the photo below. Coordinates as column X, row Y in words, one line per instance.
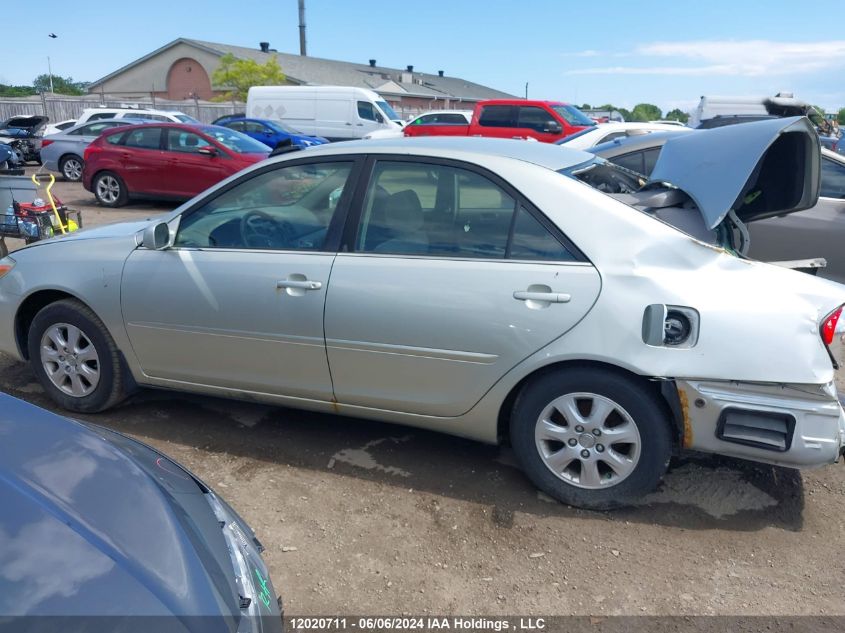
column 546, row 155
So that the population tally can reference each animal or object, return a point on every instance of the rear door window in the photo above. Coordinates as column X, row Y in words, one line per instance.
column 632, row 160
column 435, row 210
column 498, row 116
column 144, row 138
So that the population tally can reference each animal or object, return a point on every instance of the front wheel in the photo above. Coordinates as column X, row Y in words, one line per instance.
column 591, row 438
column 75, row 358
column 71, row 168
column 110, row 190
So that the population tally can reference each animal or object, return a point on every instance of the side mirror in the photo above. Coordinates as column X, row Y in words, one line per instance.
column 207, row 151
column 552, row 127
column 156, row 236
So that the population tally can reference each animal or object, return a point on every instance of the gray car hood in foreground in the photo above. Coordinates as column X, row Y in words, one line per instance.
column 760, row 169
column 93, row 523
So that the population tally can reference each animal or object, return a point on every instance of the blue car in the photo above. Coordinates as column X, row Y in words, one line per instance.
column 271, row 133
column 99, row 532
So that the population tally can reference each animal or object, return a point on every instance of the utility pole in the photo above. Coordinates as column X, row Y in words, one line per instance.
column 50, row 73
column 302, row 47
column 526, row 89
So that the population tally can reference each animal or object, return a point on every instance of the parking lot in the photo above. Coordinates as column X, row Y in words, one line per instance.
column 367, row 518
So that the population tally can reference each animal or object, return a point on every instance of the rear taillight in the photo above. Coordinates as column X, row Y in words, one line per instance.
column 45, row 142
column 828, row 327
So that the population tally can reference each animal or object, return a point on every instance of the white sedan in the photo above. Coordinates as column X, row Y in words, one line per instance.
column 604, row 132
column 477, row 287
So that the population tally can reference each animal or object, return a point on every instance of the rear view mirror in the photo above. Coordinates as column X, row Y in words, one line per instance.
column 552, row 127
column 156, row 236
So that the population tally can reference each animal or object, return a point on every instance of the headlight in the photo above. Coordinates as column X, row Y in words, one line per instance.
column 251, row 576
column 6, row 265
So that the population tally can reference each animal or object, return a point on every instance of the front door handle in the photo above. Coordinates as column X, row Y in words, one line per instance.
column 299, row 284
column 542, row 297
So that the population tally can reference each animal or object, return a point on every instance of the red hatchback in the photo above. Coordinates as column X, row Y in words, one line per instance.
column 165, row 160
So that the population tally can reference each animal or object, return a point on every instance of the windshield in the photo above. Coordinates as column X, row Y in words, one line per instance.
column 573, row 115
column 278, row 126
column 384, row 106
column 564, row 141
column 184, row 118
column 235, row 141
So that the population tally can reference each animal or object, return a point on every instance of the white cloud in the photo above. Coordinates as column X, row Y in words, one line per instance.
column 750, row 58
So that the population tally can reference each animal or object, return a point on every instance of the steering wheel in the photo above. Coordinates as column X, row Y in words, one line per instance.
column 261, row 230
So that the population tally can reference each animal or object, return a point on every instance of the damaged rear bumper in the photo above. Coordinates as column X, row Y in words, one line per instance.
column 800, row 426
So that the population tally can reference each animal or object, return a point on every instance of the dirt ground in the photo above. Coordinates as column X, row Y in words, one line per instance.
column 365, row 518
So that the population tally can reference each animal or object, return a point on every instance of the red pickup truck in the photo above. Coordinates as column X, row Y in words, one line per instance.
column 546, row 121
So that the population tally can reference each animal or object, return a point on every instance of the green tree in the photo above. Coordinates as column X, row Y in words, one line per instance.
column 61, row 85
column 677, row 115
column 239, row 75
column 840, row 118
column 626, row 114
column 645, row 112
column 16, row 91
column 585, row 106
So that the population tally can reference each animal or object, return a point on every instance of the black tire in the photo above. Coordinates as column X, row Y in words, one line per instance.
column 4, row 250
column 66, row 167
column 645, row 409
column 110, row 389
column 122, row 194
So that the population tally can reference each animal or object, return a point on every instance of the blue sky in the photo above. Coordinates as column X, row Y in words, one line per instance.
column 596, row 52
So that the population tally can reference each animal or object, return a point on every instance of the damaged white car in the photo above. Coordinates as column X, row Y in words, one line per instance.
column 470, row 286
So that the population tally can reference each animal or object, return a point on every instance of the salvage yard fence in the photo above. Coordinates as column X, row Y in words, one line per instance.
column 64, row 108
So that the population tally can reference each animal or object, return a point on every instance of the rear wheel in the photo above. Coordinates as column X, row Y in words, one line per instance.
column 71, row 168
column 110, row 190
column 75, row 358
column 591, row 438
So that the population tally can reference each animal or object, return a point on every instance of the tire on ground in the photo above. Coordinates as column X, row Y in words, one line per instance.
column 648, row 412
column 110, row 389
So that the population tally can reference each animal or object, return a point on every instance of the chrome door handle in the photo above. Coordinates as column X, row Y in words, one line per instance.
column 548, row 297
column 300, row 285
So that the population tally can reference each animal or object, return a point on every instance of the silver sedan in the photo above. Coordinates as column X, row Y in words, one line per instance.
column 64, row 152
column 470, row 286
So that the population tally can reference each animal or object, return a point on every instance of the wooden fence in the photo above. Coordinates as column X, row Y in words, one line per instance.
column 63, row 108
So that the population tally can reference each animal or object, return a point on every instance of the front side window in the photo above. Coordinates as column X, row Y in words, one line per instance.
column 185, row 142
column 444, row 211
column 535, row 118
column 498, row 116
column 573, row 115
column 366, row 111
column 236, row 141
column 289, row 208
column 144, row 138
column 833, row 179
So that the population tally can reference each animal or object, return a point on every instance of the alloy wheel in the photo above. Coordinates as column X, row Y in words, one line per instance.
column 72, row 169
column 588, row 440
column 70, row 360
column 108, row 189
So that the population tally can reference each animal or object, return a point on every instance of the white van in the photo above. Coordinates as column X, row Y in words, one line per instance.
column 338, row 113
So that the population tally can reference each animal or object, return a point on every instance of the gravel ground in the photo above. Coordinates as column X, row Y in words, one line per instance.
column 367, row 518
